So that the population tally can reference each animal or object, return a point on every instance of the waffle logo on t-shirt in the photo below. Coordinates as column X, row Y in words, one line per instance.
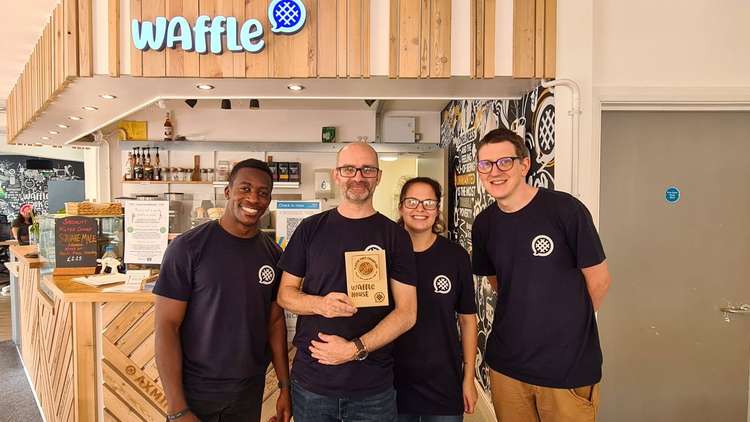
column 373, row 248
column 542, row 245
column 442, row 284
column 266, row 274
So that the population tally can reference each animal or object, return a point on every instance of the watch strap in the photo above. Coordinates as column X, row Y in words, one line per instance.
column 178, row 415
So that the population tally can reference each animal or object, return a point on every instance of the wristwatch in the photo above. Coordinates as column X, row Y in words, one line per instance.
column 362, row 352
column 178, row 415
column 284, row 384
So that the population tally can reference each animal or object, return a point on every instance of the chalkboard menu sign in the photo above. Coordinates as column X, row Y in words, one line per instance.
column 76, row 245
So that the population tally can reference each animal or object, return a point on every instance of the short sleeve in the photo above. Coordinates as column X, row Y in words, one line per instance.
column 402, row 264
column 583, row 238
column 481, row 262
column 294, row 258
column 466, row 300
column 176, row 273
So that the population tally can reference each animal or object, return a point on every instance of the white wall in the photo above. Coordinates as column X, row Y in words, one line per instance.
column 656, row 54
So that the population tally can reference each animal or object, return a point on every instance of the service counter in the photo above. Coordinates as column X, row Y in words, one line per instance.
column 89, row 354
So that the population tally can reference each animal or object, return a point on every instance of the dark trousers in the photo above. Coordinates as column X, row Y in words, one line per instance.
column 245, row 407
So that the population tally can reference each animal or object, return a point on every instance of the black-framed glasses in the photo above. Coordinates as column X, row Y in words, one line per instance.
column 427, row 204
column 503, row 164
column 368, row 172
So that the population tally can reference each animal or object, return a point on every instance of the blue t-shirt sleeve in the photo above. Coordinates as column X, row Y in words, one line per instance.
column 466, row 299
column 294, row 258
column 583, row 238
column 481, row 262
column 402, row 264
column 176, row 273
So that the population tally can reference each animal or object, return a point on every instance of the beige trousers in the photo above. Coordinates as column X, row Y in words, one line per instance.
column 515, row 401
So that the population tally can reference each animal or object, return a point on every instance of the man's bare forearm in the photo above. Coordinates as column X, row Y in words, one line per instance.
column 390, row 328
column 169, row 364
column 279, row 348
column 297, row 302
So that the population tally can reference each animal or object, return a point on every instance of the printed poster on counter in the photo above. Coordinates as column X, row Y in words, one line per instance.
column 146, row 231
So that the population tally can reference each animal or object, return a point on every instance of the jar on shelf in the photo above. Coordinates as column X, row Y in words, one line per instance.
column 165, row 175
column 210, row 175
column 175, row 172
column 204, row 175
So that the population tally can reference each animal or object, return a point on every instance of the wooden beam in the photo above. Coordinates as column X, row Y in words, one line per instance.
column 366, row 38
column 84, row 361
column 393, row 39
column 524, row 19
column 85, row 39
column 488, row 70
column 257, row 64
column 424, row 39
column 154, row 62
column 354, row 39
column 550, row 39
column 136, row 56
column 342, row 22
column 440, row 39
column 113, row 40
column 409, row 32
column 327, row 43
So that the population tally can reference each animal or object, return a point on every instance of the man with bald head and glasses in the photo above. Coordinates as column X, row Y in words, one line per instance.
column 541, row 253
column 343, row 369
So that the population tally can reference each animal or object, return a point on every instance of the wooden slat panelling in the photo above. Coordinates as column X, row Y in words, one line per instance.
column 137, row 334
column 524, row 19
column 209, row 63
column 110, row 310
column 440, row 39
column 125, row 392
column 84, row 358
column 550, row 38
column 488, row 70
column 154, row 62
column 59, row 63
column 393, row 39
column 175, row 56
column 70, row 16
column 312, row 39
column 122, row 323
column 113, row 40
column 409, row 33
column 226, row 59
column 133, row 375
column 117, row 408
column 539, row 8
column 354, row 39
column 341, row 33
column 136, row 56
column 366, row 38
column 424, row 39
column 327, row 31
column 85, row 38
column 238, row 59
column 257, row 64
column 479, row 34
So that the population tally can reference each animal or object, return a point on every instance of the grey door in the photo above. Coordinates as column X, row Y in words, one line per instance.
column 669, row 353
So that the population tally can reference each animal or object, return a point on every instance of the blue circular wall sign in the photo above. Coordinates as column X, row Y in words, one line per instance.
column 672, row 195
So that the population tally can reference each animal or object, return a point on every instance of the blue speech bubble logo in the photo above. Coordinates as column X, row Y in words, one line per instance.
column 286, row 16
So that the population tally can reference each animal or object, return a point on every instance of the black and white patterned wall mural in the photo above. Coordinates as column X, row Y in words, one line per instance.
column 19, row 185
column 463, row 123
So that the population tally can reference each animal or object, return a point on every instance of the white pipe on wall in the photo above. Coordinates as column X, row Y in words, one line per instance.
column 574, row 113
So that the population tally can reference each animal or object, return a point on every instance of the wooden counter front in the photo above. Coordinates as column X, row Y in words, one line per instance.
column 90, row 354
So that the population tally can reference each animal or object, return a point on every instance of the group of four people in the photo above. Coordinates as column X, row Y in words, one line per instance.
column 223, row 285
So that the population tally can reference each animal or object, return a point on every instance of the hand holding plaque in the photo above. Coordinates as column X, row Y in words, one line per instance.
column 367, row 278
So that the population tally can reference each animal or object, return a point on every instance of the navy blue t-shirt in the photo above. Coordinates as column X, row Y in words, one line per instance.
column 229, row 284
column 544, row 332
column 429, row 357
column 316, row 253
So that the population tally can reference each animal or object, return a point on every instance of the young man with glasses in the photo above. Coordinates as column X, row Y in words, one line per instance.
column 541, row 252
column 343, row 369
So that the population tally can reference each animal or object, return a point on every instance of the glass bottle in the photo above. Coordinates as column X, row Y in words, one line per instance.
column 129, row 167
column 157, row 166
column 168, row 129
column 148, row 170
column 138, row 168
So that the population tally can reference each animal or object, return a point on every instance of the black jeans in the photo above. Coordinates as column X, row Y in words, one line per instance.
column 245, row 408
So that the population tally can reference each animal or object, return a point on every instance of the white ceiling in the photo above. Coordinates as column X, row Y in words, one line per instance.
column 21, row 25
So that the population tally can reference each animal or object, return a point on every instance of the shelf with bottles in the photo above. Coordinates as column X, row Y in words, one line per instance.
column 166, row 182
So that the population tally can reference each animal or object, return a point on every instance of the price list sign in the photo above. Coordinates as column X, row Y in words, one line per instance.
column 76, row 245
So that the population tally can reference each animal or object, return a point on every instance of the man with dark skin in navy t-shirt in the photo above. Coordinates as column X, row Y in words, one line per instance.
column 541, row 252
column 343, row 369
column 217, row 321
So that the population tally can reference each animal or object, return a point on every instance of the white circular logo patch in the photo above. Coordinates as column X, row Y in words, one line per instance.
column 442, row 284
column 266, row 274
column 542, row 245
column 373, row 248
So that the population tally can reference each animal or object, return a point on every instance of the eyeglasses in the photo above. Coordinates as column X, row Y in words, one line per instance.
column 427, row 204
column 351, row 171
column 503, row 164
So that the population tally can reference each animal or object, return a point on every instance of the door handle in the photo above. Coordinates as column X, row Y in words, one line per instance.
column 743, row 309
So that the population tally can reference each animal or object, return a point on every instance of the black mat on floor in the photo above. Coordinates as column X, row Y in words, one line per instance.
column 17, row 399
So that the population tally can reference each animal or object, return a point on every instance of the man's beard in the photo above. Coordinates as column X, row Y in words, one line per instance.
column 361, row 197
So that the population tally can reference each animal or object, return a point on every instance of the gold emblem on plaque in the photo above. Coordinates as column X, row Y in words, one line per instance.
column 366, row 278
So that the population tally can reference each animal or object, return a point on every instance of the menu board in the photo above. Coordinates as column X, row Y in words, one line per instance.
column 146, row 231
column 76, row 245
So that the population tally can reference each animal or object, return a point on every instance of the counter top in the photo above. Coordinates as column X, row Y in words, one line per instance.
column 20, row 251
column 68, row 290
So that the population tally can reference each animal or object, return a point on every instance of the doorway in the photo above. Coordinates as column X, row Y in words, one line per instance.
column 675, row 202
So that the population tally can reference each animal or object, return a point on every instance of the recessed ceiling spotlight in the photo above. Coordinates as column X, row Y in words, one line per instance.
column 62, row 126
column 90, row 108
column 205, row 87
column 108, row 96
column 54, row 132
column 38, row 145
column 45, row 138
column 295, row 87
column 75, row 118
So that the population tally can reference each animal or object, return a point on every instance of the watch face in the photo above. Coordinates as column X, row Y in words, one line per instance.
column 361, row 355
